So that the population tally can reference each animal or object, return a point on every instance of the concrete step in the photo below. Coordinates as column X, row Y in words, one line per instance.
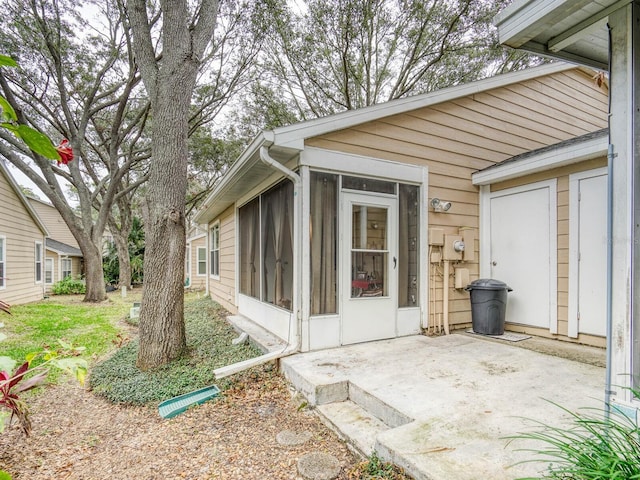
column 377, row 407
column 353, row 424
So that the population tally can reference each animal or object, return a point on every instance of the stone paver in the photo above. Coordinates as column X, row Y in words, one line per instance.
column 287, row 438
column 318, row 466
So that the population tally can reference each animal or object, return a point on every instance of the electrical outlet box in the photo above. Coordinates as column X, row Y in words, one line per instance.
column 449, row 251
column 436, row 236
column 469, row 239
column 461, row 277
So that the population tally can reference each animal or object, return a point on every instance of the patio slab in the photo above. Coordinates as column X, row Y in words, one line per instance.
column 442, row 407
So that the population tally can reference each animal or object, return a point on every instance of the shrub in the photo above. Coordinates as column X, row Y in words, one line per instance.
column 596, row 446
column 69, row 286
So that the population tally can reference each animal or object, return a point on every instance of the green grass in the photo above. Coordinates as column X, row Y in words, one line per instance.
column 208, row 347
column 33, row 326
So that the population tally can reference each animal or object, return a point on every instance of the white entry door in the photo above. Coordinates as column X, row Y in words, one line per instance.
column 588, row 253
column 368, row 267
column 523, row 252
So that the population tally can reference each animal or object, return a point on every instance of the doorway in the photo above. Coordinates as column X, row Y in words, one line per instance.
column 369, row 266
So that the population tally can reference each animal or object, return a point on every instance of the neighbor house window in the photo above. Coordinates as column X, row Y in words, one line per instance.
column 202, row 260
column 38, row 259
column 66, row 267
column 3, row 256
column 215, row 250
column 48, row 271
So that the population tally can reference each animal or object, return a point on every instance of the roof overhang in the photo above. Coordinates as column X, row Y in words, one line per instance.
column 571, row 30
column 554, row 156
column 285, row 143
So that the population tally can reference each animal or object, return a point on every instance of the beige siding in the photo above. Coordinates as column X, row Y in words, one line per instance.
column 223, row 290
column 457, row 138
column 51, row 218
column 20, row 232
column 198, row 282
column 562, row 176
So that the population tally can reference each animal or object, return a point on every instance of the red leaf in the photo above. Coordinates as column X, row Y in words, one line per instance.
column 18, row 374
column 31, row 382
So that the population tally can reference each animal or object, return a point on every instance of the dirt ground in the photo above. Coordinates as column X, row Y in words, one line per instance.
column 77, row 435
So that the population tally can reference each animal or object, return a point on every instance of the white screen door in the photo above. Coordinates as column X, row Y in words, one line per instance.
column 369, row 267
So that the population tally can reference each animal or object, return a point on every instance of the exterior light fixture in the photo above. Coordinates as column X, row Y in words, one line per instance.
column 439, row 205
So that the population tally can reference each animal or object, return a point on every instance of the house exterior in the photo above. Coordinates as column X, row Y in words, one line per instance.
column 602, row 34
column 196, row 263
column 369, row 224
column 63, row 256
column 22, row 245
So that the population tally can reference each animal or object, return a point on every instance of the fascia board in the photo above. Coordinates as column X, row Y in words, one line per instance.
column 560, row 157
column 293, row 136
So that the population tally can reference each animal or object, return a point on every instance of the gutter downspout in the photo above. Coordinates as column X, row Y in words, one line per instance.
column 290, row 348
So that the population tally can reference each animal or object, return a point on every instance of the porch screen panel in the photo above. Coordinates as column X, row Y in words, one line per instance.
column 323, row 238
column 249, row 220
column 408, row 246
column 277, row 245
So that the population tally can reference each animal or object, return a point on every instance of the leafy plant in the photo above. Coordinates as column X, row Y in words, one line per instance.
column 375, row 468
column 111, row 264
column 595, row 446
column 69, row 286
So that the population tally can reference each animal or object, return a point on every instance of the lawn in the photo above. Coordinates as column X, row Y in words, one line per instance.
column 32, row 326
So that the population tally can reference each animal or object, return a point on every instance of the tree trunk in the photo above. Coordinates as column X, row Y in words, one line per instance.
column 163, row 294
column 94, row 274
column 124, row 261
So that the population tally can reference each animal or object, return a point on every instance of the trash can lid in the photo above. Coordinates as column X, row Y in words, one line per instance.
column 488, row 284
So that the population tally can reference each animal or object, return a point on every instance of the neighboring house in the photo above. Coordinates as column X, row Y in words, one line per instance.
column 22, row 240
column 603, row 34
column 196, row 263
column 367, row 224
column 63, row 257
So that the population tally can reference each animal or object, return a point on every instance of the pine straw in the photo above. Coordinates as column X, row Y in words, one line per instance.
column 77, row 435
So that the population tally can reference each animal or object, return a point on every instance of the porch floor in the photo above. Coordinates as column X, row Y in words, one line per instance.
column 441, row 407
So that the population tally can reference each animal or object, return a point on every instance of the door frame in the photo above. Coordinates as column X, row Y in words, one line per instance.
column 374, row 200
column 574, row 244
column 486, row 195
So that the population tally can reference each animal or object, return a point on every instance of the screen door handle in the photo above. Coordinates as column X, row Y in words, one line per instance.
column 395, row 261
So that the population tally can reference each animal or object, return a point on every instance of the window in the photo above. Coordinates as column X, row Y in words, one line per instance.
column 3, row 256
column 66, row 267
column 202, row 260
column 48, row 271
column 38, row 255
column 323, row 233
column 408, row 246
column 215, row 250
column 266, row 246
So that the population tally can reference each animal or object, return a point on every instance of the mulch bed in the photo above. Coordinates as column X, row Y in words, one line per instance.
column 77, row 435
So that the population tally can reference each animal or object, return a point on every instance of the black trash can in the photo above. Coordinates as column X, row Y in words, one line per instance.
column 488, row 305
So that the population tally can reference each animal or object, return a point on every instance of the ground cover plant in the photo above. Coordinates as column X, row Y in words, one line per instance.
column 597, row 445
column 208, row 347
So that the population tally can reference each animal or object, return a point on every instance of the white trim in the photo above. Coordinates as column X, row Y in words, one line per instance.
column 215, row 225
column 485, row 231
column 574, row 244
column 305, row 258
column 557, row 157
column 293, row 136
column 423, row 258
column 35, row 260
column 552, row 186
column 196, row 237
column 340, row 163
column 206, row 261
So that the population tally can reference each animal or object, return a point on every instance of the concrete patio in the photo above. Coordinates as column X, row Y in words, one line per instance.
column 441, row 407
